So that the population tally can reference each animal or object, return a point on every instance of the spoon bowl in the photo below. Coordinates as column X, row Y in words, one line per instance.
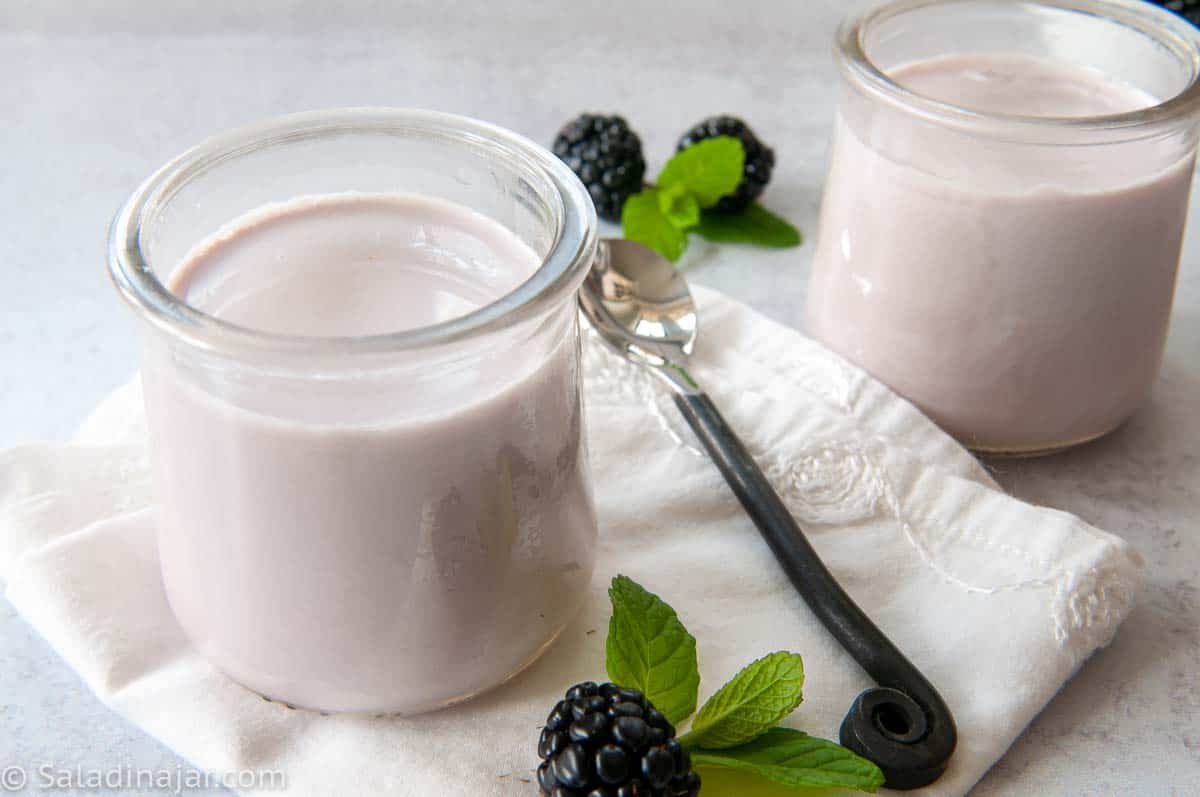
column 640, row 304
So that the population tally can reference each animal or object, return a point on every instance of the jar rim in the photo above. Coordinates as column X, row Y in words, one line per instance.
column 561, row 272
column 1171, row 31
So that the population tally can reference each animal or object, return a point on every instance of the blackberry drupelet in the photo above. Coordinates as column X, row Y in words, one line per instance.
column 1188, row 9
column 605, row 741
column 760, row 159
column 607, row 156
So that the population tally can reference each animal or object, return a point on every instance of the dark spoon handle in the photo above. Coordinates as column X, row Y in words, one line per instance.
column 903, row 725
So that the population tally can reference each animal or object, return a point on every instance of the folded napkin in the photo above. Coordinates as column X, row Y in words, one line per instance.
column 997, row 601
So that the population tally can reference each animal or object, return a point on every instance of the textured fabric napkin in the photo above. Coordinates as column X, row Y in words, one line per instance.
column 997, row 601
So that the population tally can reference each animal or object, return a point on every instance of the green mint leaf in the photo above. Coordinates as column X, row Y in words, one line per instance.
column 679, row 206
column 708, row 170
column 762, row 694
column 754, row 225
column 644, row 221
column 649, row 649
column 796, row 759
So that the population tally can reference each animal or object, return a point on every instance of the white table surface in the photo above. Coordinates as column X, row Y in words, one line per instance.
column 95, row 98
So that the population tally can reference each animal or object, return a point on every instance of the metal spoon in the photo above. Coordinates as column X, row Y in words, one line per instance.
column 640, row 305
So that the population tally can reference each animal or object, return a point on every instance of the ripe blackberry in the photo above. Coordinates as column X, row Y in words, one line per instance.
column 607, row 156
column 605, row 741
column 760, row 158
column 1188, row 9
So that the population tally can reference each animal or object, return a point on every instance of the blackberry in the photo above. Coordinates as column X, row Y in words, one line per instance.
column 607, row 156
column 1188, row 9
column 760, row 159
column 605, row 741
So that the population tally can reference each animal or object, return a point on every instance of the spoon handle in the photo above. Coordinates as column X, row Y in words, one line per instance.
column 903, row 725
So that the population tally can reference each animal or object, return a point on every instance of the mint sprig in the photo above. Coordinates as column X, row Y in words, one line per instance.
column 708, row 170
column 759, row 696
column 754, row 225
column 793, row 758
column 689, row 185
column 678, row 205
column 649, row 649
column 644, row 220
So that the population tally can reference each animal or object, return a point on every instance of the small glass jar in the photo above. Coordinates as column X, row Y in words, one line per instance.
column 1011, row 275
column 322, row 542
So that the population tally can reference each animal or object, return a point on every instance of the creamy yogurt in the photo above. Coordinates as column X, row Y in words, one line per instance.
column 395, row 546
column 1018, row 294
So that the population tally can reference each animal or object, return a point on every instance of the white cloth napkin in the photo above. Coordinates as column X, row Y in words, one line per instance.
column 997, row 601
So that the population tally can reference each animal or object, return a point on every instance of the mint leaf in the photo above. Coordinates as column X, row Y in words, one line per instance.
column 649, row 649
column 754, row 225
column 679, row 206
column 708, row 170
column 644, row 221
column 762, row 694
column 793, row 758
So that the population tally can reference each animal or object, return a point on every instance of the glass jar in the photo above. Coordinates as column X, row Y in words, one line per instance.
column 325, row 539
column 1012, row 275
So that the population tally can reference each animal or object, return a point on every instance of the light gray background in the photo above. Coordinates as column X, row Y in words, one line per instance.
column 95, row 96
